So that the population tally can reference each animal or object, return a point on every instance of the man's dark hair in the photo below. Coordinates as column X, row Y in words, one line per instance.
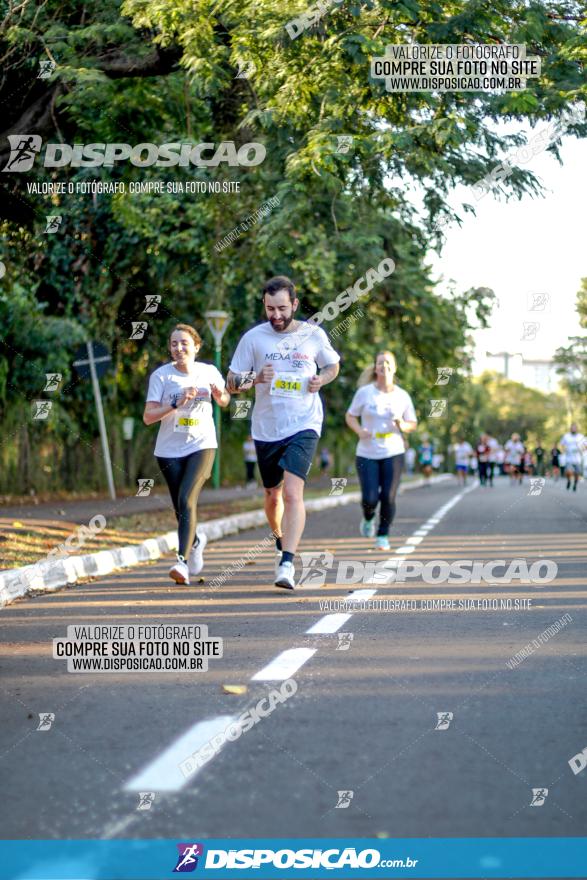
column 280, row 282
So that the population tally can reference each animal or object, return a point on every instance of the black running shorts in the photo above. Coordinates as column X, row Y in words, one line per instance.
column 293, row 454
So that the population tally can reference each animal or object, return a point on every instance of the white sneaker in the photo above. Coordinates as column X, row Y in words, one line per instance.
column 277, row 560
column 196, row 557
column 284, row 576
column 180, row 572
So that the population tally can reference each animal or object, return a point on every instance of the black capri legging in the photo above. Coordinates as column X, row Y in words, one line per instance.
column 379, row 479
column 185, row 477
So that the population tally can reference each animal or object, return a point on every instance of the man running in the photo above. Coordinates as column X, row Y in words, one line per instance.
column 463, row 452
column 482, row 451
column 573, row 445
column 287, row 415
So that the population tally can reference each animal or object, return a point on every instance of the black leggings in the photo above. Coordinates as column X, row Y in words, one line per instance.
column 379, row 479
column 185, row 477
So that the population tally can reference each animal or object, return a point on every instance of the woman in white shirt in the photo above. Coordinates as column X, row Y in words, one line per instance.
column 180, row 398
column 386, row 412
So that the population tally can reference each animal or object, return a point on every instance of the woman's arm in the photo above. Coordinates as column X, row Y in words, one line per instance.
column 222, row 398
column 154, row 412
column 355, row 425
column 406, row 426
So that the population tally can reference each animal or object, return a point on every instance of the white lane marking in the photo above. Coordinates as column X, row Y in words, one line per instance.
column 163, row 774
column 407, row 548
column 285, row 665
column 329, row 624
column 422, row 532
column 415, row 539
column 115, row 828
column 359, row 596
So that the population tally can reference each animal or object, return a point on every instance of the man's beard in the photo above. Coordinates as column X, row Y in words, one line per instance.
column 286, row 323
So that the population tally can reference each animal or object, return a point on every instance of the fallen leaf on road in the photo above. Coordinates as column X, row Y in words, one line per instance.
column 236, row 689
column 16, row 524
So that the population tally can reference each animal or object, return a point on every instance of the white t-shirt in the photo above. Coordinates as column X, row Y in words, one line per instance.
column 190, row 428
column 284, row 406
column 573, row 446
column 378, row 411
column 514, row 449
column 493, row 449
column 463, row 452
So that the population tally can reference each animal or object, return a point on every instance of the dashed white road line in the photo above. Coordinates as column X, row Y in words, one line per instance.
column 285, row 665
column 163, row 774
column 329, row 624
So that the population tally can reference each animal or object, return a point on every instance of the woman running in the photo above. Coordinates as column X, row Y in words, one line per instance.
column 386, row 412
column 180, row 397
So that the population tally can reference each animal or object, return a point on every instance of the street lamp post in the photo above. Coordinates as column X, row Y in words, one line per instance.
column 217, row 322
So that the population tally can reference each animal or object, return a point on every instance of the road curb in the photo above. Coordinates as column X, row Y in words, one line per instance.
column 49, row 576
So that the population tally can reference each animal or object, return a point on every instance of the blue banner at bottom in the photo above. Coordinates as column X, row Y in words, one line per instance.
column 268, row 859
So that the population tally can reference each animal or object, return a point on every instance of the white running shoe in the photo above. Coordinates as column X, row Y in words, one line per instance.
column 196, row 557
column 180, row 572
column 277, row 560
column 367, row 528
column 284, row 576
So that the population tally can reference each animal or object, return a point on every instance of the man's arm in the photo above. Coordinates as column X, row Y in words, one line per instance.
column 327, row 374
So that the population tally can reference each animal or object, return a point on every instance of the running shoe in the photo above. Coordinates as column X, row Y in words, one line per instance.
column 382, row 543
column 278, row 555
column 284, row 576
column 367, row 528
column 196, row 557
column 180, row 572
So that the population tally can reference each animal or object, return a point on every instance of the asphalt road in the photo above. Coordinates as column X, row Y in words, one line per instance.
column 363, row 718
